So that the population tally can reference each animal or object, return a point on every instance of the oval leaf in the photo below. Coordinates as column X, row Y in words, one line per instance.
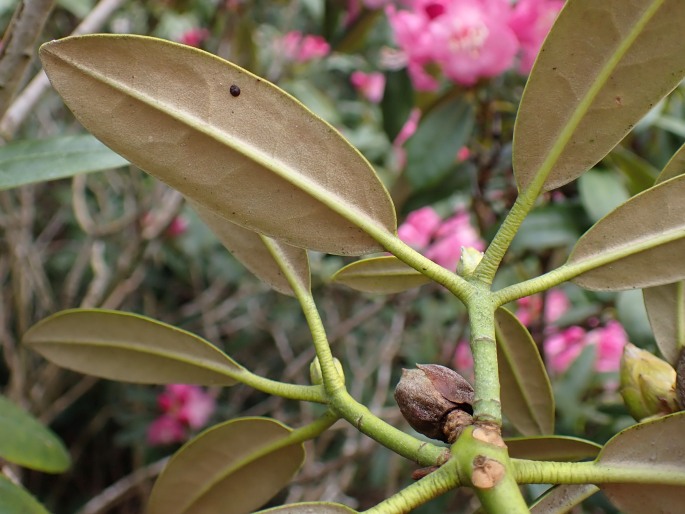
column 232, row 468
column 639, row 244
column 24, row 441
column 380, row 275
column 310, row 508
column 602, row 67
column 128, row 347
column 527, row 398
column 248, row 248
column 674, row 167
column 259, row 159
column 654, row 446
column 28, row 162
column 557, row 448
column 562, row 498
column 14, row 499
column 666, row 311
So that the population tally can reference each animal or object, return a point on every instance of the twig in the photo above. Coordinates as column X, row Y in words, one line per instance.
column 24, row 103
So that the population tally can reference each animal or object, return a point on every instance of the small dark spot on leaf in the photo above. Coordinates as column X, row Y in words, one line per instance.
column 619, row 100
column 554, row 68
column 234, row 90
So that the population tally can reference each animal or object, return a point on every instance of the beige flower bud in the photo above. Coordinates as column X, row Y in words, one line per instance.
column 436, row 401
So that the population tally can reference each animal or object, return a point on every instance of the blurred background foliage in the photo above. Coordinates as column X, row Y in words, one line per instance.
column 121, row 240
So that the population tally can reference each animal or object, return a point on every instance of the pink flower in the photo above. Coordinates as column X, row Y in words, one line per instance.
column 467, row 39
column 463, row 154
column 463, row 360
column 303, row 48
column 405, row 133
column 531, row 21
column 441, row 241
column 370, row 85
column 177, row 227
column 562, row 348
column 166, row 430
column 530, row 307
column 194, row 37
column 183, row 407
column 610, row 341
column 419, row 227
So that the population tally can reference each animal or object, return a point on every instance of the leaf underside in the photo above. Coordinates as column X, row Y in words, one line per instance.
column 260, row 159
column 380, row 275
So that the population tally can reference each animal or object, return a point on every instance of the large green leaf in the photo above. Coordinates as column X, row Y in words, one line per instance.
column 602, row 67
column 249, row 248
column 601, row 192
column 666, row 311
column 27, row 162
column 310, row 508
column 432, row 150
column 557, row 448
column 656, row 447
column 129, row 347
column 380, row 275
column 232, row 468
column 259, row 159
column 527, row 399
column 14, row 499
column 562, row 498
column 639, row 244
column 24, row 441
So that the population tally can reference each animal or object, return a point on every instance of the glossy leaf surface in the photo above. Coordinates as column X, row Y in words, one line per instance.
column 602, row 67
column 641, row 242
column 527, row 399
column 128, row 347
column 24, row 441
column 232, row 468
column 310, row 508
column 15, row 499
column 28, row 162
column 248, row 247
column 557, row 448
column 655, row 446
column 380, row 275
column 259, row 159
column 432, row 150
column 562, row 498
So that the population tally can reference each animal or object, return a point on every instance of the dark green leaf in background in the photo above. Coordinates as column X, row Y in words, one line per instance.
column 28, row 162
column 397, row 101
column 24, row 441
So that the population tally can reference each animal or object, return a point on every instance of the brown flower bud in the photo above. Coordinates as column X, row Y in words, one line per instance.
column 436, row 401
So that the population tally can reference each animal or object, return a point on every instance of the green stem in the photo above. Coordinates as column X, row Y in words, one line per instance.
column 429, row 487
column 538, row 472
column 284, row 390
column 505, row 235
column 487, row 405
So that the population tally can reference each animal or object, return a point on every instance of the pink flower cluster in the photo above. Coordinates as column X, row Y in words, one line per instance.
column 440, row 240
column 563, row 346
column 470, row 39
column 370, row 85
column 299, row 47
column 184, row 408
column 194, row 37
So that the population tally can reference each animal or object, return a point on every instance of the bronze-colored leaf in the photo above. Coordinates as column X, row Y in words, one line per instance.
column 666, row 311
column 232, row 468
column 310, row 508
column 656, row 447
column 380, row 275
column 556, row 448
column 259, row 159
column 561, row 499
column 128, row 347
column 248, row 247
column 602, row 67
column 674, row 167
column 639, row 244
column 527, row 398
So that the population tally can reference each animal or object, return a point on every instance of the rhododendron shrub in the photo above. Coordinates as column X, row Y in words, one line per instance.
column 277, row 184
